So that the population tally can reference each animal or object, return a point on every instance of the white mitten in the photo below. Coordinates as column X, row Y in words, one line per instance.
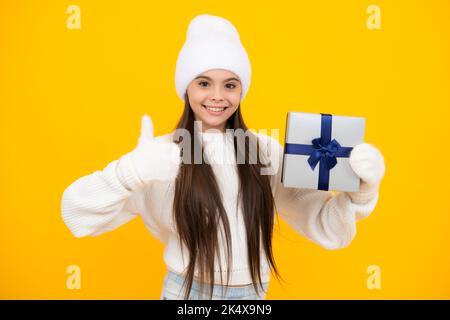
column 368, row 163
column 150, row 160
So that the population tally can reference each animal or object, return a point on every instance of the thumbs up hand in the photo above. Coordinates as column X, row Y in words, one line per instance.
column 150, row 160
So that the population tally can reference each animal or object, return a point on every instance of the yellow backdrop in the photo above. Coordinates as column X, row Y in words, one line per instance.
column 73, row 89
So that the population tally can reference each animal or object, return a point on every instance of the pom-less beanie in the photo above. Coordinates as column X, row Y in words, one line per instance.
column 212, row 42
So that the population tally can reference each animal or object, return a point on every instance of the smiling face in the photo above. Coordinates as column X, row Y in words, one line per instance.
column 214, row 96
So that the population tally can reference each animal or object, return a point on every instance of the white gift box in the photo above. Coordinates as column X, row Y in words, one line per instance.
column 317, row 149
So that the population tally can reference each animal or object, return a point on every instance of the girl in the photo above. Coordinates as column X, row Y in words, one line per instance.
column 215, row 216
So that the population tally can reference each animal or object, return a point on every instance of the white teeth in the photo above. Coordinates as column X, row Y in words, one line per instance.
column 215, row 109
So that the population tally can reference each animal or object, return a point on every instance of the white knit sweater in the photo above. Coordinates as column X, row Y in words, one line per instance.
column 100, row 202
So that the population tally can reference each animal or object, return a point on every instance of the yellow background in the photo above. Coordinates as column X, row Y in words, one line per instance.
column 71, row 102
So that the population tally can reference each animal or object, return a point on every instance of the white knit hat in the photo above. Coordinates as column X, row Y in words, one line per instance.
column 211, row 43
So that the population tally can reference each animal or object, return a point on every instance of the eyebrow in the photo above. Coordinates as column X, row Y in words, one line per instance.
column 211, row 79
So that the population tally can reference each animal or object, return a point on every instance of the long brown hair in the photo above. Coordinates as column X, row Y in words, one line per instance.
column 198, row 208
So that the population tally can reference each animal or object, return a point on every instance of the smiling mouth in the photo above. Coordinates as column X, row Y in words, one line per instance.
column 214, row 110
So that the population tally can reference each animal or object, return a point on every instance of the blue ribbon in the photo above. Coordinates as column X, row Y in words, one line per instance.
column 323, row 151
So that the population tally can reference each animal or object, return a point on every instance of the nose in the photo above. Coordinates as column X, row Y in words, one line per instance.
column 217, row 94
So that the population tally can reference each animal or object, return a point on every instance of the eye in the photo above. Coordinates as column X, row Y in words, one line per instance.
column 200, row 83
column 231, row 84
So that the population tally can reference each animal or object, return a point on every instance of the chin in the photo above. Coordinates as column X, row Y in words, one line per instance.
column 213, row 124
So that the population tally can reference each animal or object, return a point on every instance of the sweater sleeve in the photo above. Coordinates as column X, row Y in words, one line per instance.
column 324, row 217
column 98, row 202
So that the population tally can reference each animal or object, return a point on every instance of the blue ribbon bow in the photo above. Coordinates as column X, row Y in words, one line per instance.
column 323, row 151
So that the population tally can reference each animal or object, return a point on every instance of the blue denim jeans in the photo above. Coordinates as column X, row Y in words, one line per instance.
column 173, row 290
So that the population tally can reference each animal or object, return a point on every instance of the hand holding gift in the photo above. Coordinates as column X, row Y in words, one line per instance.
column 368, row 163
column 326, row 152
